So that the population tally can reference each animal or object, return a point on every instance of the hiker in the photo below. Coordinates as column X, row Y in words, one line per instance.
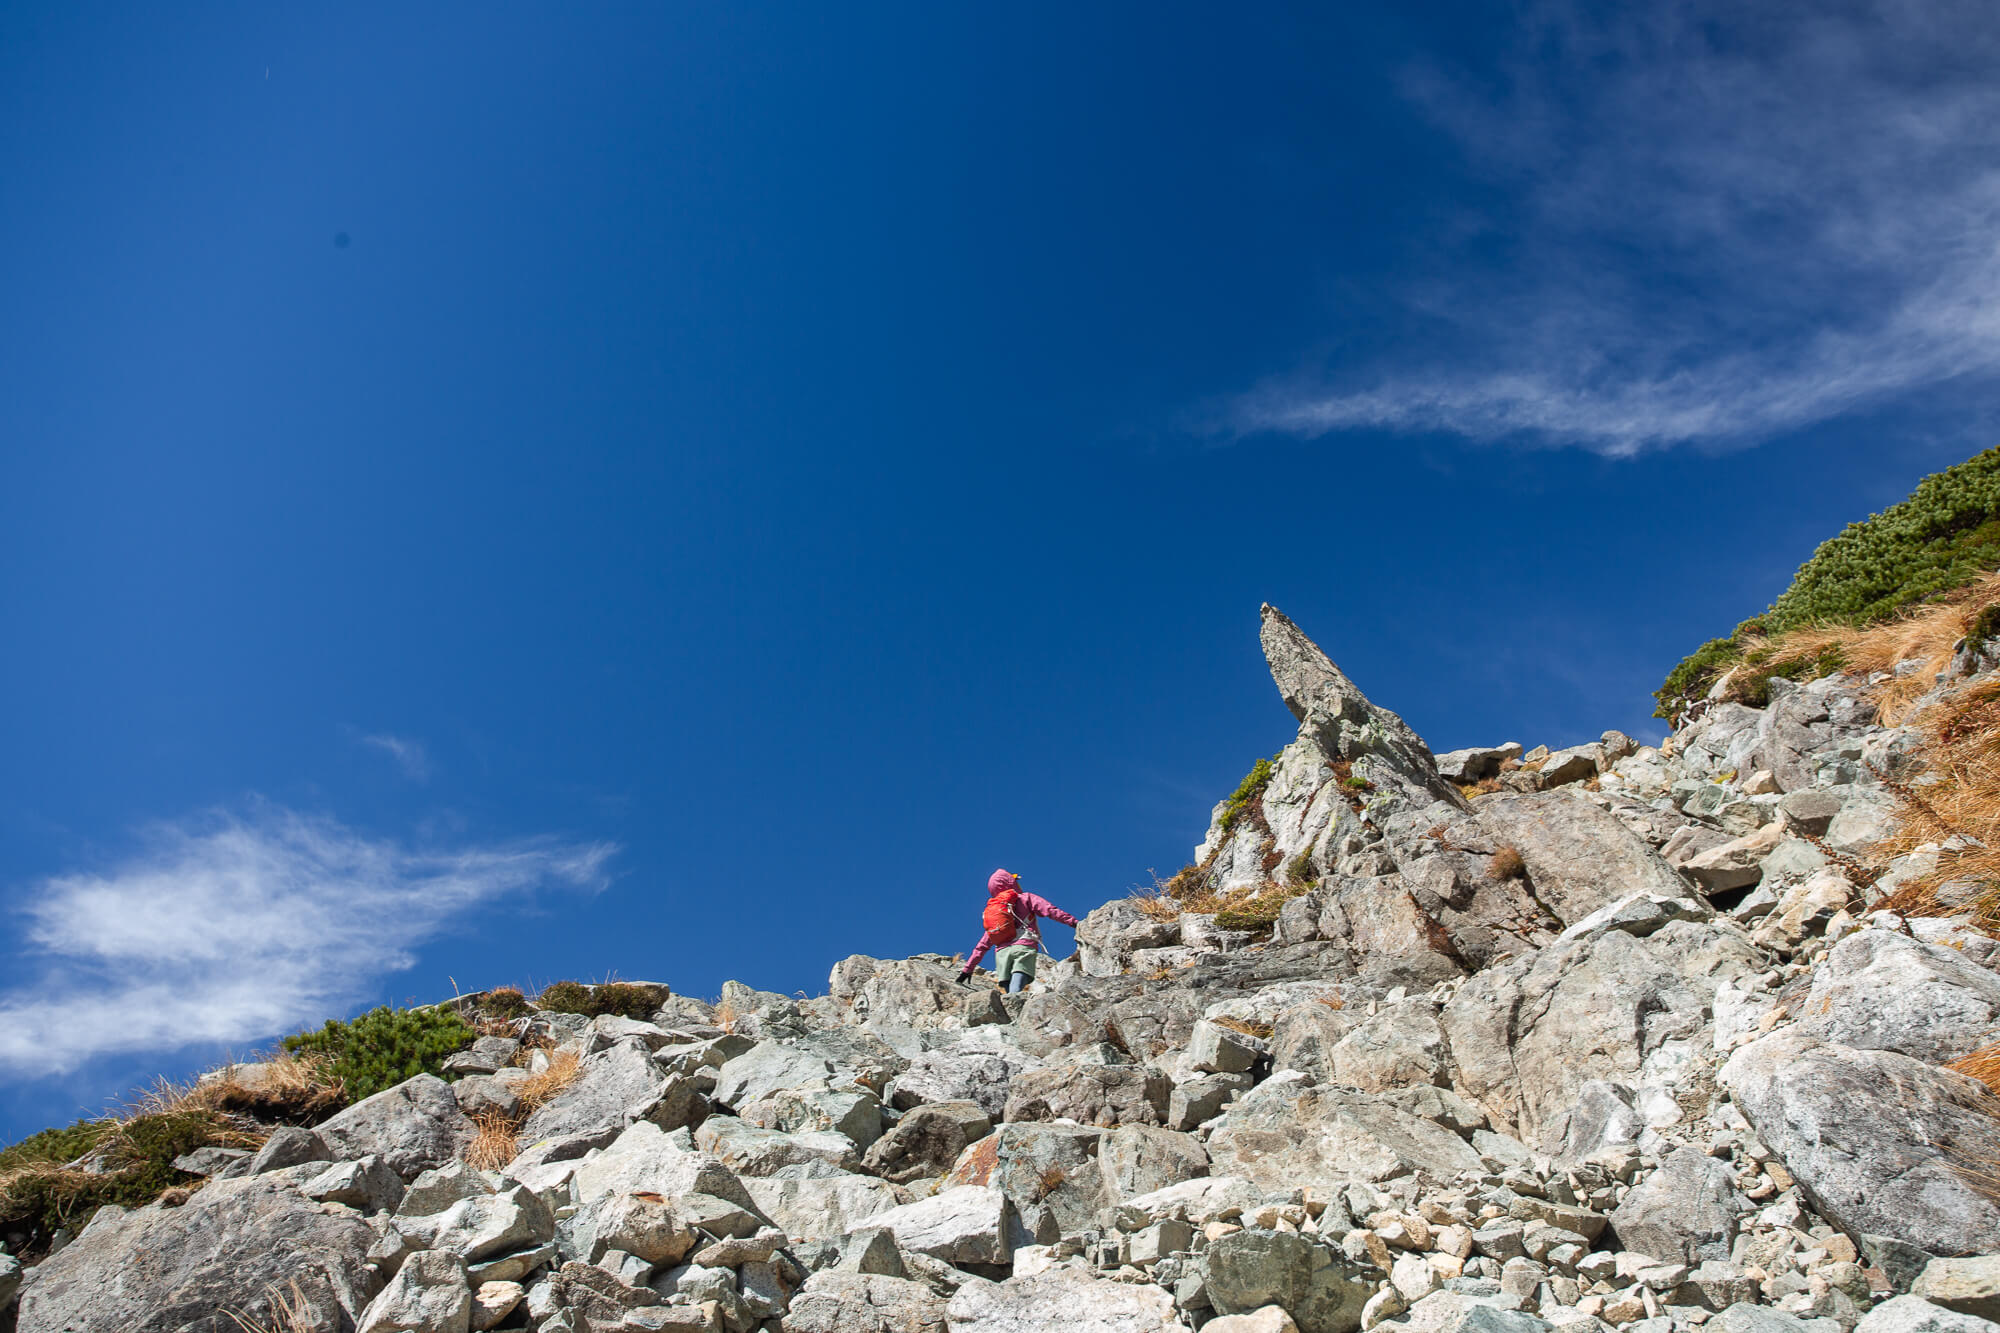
column 1012, row 927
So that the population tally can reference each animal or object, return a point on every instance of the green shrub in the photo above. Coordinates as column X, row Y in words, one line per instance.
column 137, row 1156
column 384, row 1046
column 627, row 999
column 56, row 1146
column 1246, row 791
column 1299, row 870
column 1941, row 538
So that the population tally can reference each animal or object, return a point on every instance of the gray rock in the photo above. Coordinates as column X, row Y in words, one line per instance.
column 1321, row 1290
column 1809, row 811
column 852, row 1112
column 493, row 1302
column 1476, row 762
column 1401, row 1047
column 609, row 1086
column 1214, row 1049
column 1900, row 1262
column 817, row 1209
column 927, row 1140
column 1285, row 1133
column 1579, row 857
column 615, row 1189
column 368, row 1184
column 1861, row 1131
column 1107, row 937
column 1737, row 863
column 1050, row 1173
column 1528, row 1034
column 1747, row 1318
column 413, row 1126
column 768, row 1068
column 213, row 1161
column 1104, row 1095
column 1201, row 1099
column 1136, row 1160
column 1968, row 1285
column 1067, row 1298
column 433, row 1192
column 967, row 1224
column 1913, row 1314
column 10, row 1281
column 486, row 1055
column 598, row 1302
column 162, row 1270
column 493, row 1224
column 940, row 1076
column 859, row 1302
column 751, row 1151
column 1867, row 816
column 1575, row 764
column 1685, row 1210
column 427, row 1295
column 1881, row 990
column 1602, row 1125
column 289, row 1146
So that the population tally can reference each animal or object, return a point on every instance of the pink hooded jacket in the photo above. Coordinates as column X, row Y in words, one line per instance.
column 1029, row 931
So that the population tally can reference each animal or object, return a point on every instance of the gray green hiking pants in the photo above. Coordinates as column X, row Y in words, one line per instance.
column 1015, row 965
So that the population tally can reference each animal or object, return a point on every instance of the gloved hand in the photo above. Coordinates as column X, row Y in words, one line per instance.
column 965, row 977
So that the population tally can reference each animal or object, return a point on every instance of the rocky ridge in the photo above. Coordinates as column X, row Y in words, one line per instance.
column 1618, row 1042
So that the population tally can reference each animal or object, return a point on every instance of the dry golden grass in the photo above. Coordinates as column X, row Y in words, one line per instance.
column 1983, row 1064
column 291, row 1312
column 1246, row 906
column 1960, row 752
column 1261, row 1031
column 1506, row 863
column 543, row 1088
column 287, row 1087
column 1925, row 634
column 495, row 1141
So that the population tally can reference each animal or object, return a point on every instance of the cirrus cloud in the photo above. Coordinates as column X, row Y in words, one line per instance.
column 231, row 927
column 1718, row 224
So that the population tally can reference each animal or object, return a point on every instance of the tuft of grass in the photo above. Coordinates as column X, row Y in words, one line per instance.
column 1506, row 863
column 1299, row 871
column 1261, row 1031
column 495, row 1141
column 623, row 998
column 291, row 1312
column 503, row 1003
column 1962, row 753
column 288, row 1088
column 1983, row 1064
column 543, row 1088
column 1247, row 792
column 1256, row 913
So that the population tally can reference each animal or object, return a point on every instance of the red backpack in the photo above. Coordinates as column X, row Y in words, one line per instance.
column 1003, row 923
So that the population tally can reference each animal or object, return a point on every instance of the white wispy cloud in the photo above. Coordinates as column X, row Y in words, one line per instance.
column 1717, row 223
column 234, row 927
column 410, row 756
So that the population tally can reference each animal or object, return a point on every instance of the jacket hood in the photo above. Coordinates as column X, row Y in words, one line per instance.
column 1001, row 881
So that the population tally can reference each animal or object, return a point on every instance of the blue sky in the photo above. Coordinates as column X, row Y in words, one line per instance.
column 497, row 493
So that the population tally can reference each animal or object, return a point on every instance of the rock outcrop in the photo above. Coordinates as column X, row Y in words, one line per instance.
column 1608, row 1035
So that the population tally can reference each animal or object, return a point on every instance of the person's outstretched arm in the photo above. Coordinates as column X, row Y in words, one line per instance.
column 1043, row 907
column 978, row 952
